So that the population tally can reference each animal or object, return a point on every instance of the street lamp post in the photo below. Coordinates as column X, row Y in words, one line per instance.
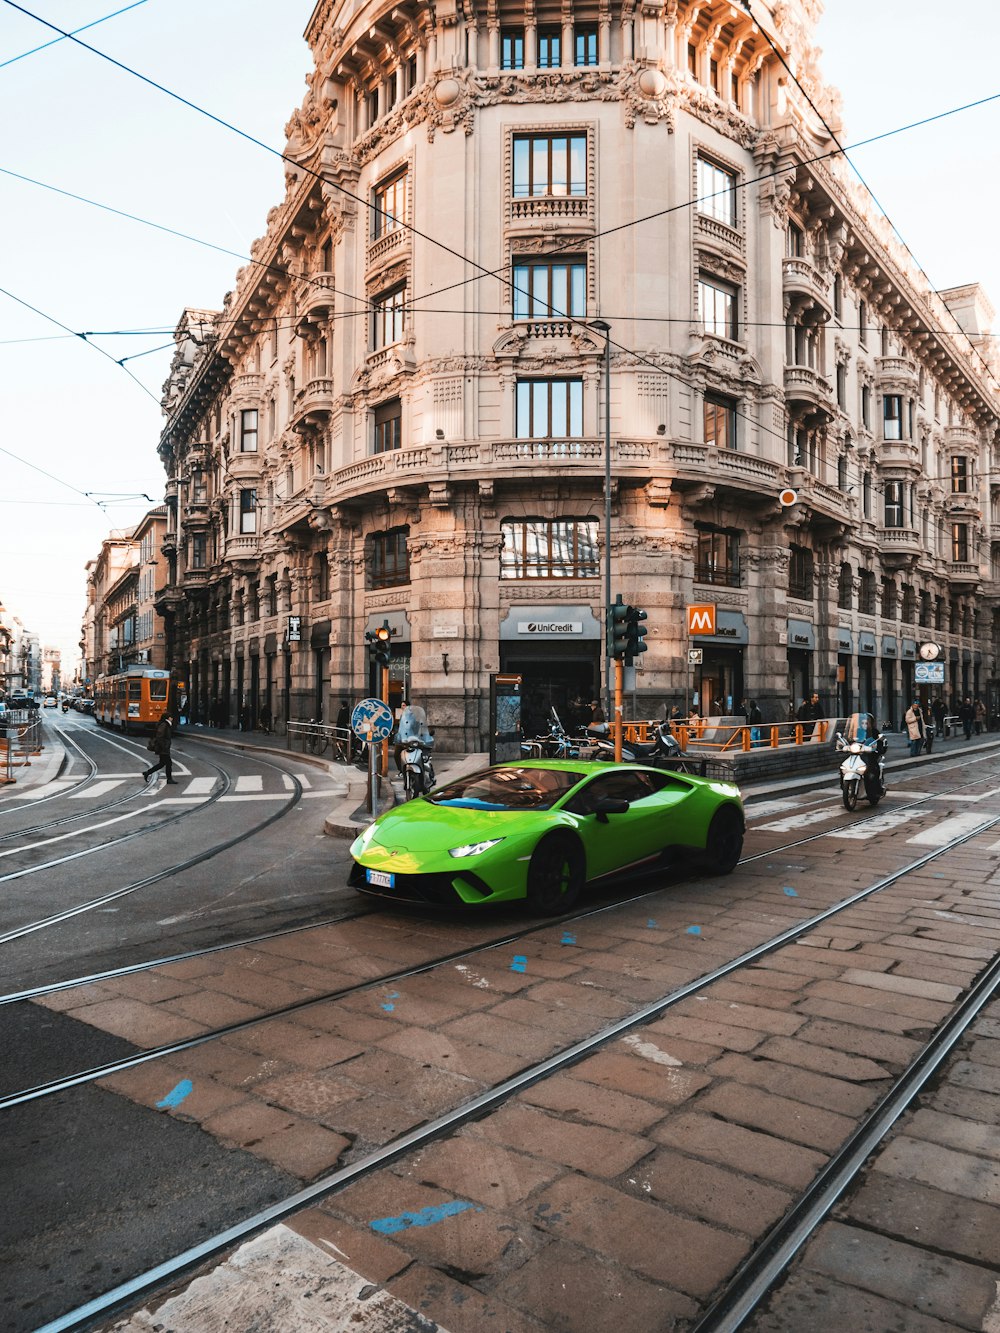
column 601, row 326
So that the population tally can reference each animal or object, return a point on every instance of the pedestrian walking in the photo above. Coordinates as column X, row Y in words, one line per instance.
column 159, row 743
column 966, row 715
column 754, row 719
column 939, row 712
column 979, row 711
column 264, row 719
column 246, row 718
column 915, row 727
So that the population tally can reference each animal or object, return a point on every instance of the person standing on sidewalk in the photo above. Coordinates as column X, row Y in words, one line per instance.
column 160, row 745
column 914, row 720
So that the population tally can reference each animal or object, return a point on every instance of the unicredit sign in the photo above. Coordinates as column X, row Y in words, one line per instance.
column 549, row 627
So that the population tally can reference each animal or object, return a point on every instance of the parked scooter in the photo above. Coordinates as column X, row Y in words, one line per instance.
column 863, row 767
column 929, row 733
column 414, row 743
column 662, row 751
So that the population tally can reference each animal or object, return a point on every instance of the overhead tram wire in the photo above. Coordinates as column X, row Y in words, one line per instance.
column 56, row 40
column 363, row 202
column 371, row 207
column 844, row 152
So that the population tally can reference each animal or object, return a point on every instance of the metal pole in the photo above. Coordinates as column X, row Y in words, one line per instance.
column 603, row 327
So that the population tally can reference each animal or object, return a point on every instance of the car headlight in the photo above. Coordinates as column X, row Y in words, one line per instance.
column 475, row 848
column 363, row 839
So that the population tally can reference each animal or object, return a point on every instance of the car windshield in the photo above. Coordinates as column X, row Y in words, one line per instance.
column 507, row 789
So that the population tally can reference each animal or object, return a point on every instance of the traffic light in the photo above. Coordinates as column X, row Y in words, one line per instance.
column 618, row 627
column 378, row 641
column 635, row 633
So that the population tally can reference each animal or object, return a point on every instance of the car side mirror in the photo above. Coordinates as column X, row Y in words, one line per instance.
column 610, row 805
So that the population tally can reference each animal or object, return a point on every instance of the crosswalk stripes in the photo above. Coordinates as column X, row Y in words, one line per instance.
column 871, row 828
column 250, row 782
column 98, row 789
column 955, row 827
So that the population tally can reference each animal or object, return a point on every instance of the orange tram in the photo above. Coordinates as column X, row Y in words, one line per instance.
column 135, row 699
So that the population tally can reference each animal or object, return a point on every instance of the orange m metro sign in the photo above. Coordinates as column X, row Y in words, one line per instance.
column 701, row 620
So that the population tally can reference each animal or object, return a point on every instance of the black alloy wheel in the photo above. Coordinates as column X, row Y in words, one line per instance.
column 849, row 791
column 724, row 845
column 555, row 874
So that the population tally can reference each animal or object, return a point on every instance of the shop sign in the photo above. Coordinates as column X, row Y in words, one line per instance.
column 695, row 656
column 844, row 644
column 550, row 623
column 294, row 634
column 866, row 645
column 550, row 627
column 909, row 649
column 800, row 634
column 888, row 645
column 445, row 631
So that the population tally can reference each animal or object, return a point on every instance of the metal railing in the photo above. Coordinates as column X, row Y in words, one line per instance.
column 321, row 738
column 20, row 741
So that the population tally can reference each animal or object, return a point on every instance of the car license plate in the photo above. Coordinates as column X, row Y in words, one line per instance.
column 380, row 878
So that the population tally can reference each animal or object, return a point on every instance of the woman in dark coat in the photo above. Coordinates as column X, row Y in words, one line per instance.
column 160, row 745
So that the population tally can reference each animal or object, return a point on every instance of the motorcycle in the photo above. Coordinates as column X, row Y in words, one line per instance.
column 662, row 752
column 557, row 744
column 929, row 733
column 863, row 766
column 414, row 743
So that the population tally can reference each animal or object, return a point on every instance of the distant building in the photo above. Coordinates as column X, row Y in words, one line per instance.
column 398, row 414
column 121, row 625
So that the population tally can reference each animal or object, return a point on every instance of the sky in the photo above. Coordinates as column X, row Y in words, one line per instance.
column 74, row 422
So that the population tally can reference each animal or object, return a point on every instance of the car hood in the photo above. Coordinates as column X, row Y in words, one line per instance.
column 420, row 826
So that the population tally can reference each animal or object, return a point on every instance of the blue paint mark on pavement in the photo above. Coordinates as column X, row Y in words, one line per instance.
column 568, row 937
column 693, row 930
column 789, row 892
column 425, row 1217
column 393, row 995
column 176, row 1095
column 519, row 964
column 650, row 924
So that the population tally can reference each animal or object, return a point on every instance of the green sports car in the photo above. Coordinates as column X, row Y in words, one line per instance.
column 541, row 831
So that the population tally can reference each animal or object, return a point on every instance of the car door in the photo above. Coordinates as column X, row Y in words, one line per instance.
column 641, row 832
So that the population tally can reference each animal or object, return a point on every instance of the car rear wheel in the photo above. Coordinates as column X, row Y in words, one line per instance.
column 555, row 875
column 724, row 845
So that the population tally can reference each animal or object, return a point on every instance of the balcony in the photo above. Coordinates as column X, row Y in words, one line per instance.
column 387, row 249
column 962, row 572
column 805, row 385
column 244, row 467
column 961, row 438
column 243, row 547
column 902, row 456
column 803, row 286
column 898, row 547
column 556, row 208
column 440, row 463
column 896, row 372
column 196, row 515
column 314, row 298
column 313, row 403
column 248, row 386
column 963, row 502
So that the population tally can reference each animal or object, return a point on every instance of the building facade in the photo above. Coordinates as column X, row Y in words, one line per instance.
column 122, row 626
column 403, row 412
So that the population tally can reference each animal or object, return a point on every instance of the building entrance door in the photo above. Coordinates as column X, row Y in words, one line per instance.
column 552, row 677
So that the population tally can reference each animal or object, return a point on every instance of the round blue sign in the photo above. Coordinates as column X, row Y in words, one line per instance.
column 372, row 720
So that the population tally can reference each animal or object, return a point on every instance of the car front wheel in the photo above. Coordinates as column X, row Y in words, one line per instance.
column 555, row 875
column 724, row 846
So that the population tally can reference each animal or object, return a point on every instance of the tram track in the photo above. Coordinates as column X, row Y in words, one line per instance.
column 814, row 1204
column 102, row 900
column 509, row 937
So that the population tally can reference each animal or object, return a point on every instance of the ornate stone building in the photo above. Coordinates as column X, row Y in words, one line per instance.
column 398, row 414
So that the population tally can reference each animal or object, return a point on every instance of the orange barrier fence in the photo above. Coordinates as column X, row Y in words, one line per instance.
column 769, row 735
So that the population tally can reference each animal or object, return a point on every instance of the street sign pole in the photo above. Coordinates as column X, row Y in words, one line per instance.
column 385, row 743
